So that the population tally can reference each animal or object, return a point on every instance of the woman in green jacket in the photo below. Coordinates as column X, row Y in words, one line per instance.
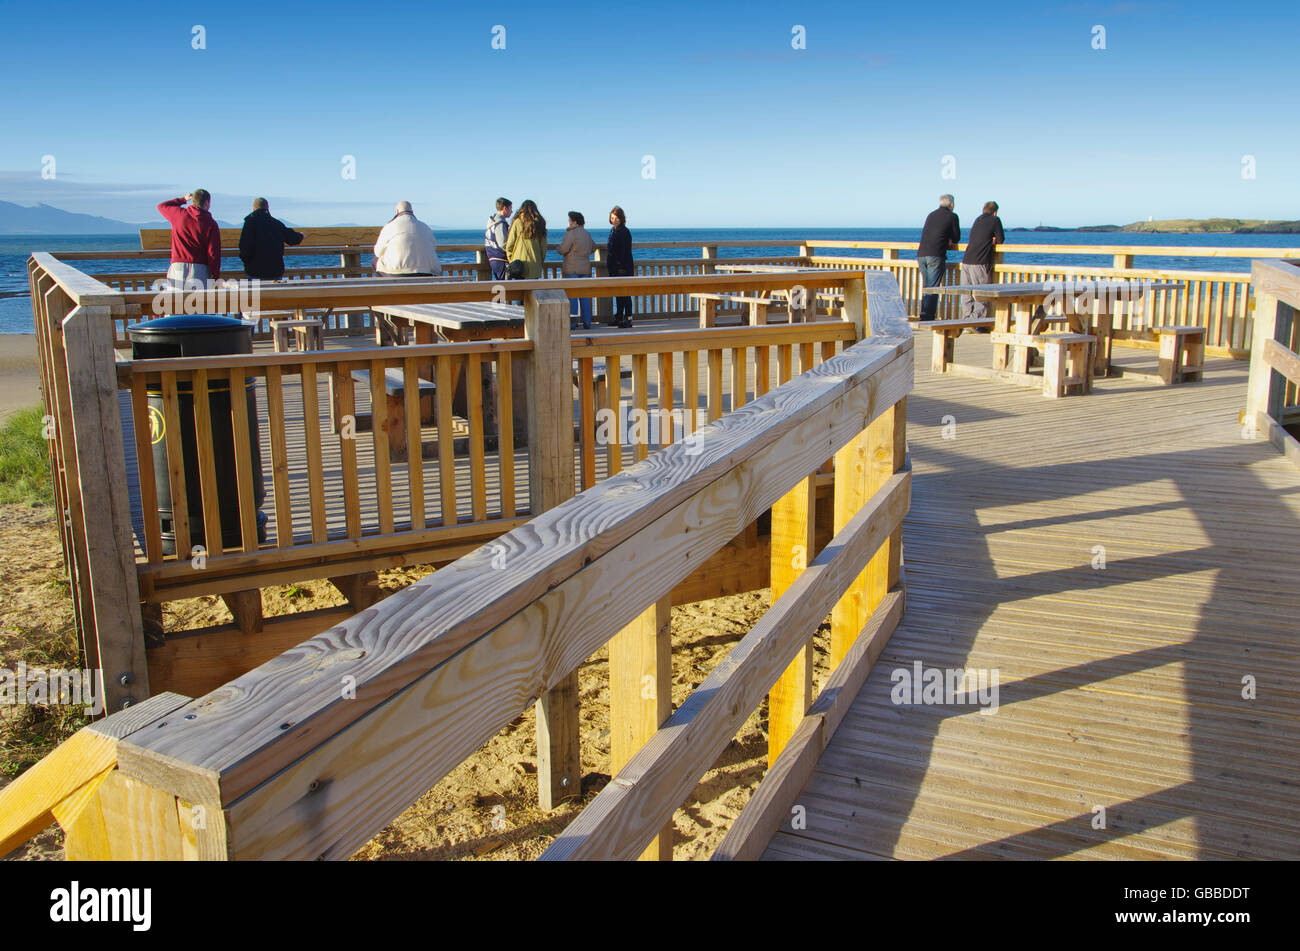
column 527, row 241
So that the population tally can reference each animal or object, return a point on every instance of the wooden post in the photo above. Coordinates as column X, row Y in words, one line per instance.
column 710, row 254
column 1265, row 390
column 640, row 696
column 1123, row 262
column 863, row 465
column 550, row 482
column 792, row 548
column 97, row 429
column 855, row 306
column 604, row 305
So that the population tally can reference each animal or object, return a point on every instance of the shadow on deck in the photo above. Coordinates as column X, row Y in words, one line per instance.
column 1127, row 563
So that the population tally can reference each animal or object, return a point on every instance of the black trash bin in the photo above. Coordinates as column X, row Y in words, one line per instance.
column 201, row 335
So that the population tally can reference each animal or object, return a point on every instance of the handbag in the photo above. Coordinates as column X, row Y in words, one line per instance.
column 515, row 270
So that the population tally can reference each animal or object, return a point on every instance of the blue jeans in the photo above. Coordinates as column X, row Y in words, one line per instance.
column 931, row 276
column 580, row 305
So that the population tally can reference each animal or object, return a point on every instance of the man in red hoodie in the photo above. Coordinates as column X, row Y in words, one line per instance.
column 196, row 239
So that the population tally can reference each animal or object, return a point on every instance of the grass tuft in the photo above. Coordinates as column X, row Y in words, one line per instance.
column 25, row 459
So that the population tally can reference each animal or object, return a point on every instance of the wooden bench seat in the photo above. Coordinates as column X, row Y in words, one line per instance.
column 395, row 409
column 1182, row 353
column 757, row 307
column 1067, row 363
column 308, row 332
column 946, row 333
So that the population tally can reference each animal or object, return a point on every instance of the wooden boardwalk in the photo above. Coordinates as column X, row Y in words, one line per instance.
column 1120, row 687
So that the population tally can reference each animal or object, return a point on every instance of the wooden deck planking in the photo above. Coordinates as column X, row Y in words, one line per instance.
column 1119, row 687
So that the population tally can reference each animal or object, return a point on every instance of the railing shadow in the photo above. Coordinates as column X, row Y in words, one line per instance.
column 1237, row 797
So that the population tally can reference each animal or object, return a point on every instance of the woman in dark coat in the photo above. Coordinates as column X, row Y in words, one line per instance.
column 619, row 263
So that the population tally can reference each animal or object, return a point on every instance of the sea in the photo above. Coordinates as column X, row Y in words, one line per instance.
column 16, row 314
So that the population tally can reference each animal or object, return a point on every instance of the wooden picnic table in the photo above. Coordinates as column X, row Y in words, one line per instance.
column 459, row 323
column 1022, row 305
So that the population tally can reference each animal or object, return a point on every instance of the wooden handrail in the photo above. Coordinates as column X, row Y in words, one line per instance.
column 436, row 631
column 333, row 293
column 247, row 753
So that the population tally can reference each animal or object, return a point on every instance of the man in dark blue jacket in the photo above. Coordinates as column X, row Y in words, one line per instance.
column 939, row 235
column 261, row 243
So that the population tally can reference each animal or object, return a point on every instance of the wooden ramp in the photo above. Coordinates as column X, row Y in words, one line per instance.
column 1120, row 687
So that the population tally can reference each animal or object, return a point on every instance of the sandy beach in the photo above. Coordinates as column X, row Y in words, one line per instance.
column 20, row 378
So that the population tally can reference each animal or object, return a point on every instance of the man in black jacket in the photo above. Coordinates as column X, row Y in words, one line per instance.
column 261, row 243
column 940, row 234
column 977, row 266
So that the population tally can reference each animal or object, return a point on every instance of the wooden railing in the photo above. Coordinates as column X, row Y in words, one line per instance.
column 275, row 765
column 1218, row 300
column 1273, row 393
column 345, row 501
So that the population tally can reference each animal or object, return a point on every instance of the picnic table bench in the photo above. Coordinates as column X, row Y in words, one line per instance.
column 946, row 333
column 756, row 304
column 1024, row 306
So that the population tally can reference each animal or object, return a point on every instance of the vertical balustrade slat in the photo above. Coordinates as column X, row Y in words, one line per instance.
column 176, row 465
column 212, row 541
column 691, row 362
column 144, row 439
column 739, row 384
column 347, row 407
column 715, row 385
column 446, row 442
column 414, row 441
column 587, row 420
column 614, row 389
column 279, row 458
column 243, row 458
column 640, row 406
column 506, row 432
column 381, row 424
column 666, row 399
column 315, row 467
column 477, row 457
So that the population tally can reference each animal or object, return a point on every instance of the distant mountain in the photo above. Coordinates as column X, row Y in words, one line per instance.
column 46, row 219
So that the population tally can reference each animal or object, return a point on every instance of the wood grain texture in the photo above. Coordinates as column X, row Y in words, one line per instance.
column 115, row 592
column 30, row 802
column 671, row 490
column 626, row 812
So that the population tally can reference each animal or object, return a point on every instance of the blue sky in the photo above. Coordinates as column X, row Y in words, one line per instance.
column 744, row 130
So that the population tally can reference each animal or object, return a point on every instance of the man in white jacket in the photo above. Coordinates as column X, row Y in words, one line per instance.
column 406, row 247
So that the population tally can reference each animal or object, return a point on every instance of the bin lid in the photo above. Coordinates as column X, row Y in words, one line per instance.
column 188, row 323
